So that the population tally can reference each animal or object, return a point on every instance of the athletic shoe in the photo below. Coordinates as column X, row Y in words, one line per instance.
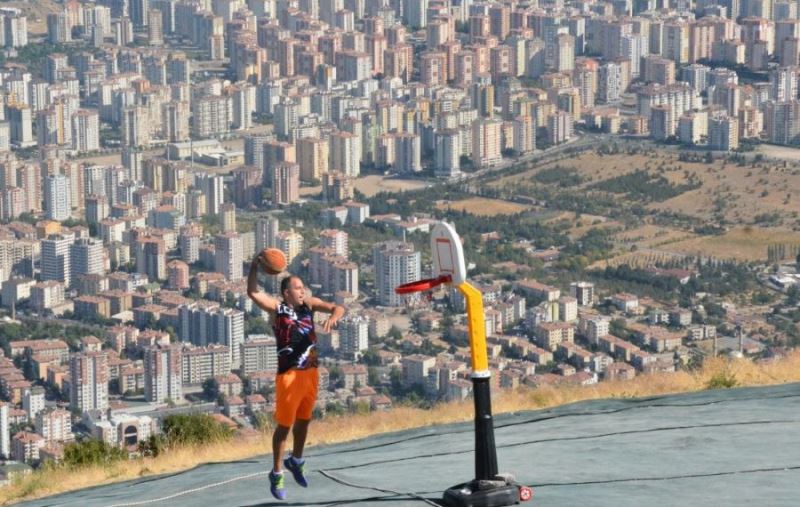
column 297, row 467
column 276, row 486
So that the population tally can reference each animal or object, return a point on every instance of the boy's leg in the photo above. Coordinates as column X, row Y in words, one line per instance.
column 278, row 445
column 299, row 433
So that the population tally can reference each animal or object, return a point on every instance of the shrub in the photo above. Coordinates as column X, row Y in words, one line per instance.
column 722, row 380
column 194, row 429
column 92, row 452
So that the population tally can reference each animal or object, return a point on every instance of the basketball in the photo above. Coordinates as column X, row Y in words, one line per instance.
column 272, row 260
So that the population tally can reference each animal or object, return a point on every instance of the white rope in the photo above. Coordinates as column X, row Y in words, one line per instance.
column 188, row 491
column 379, row 490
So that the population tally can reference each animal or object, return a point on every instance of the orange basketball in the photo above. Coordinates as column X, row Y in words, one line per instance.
column 272, row 260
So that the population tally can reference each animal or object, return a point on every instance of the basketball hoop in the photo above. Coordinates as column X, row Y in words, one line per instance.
column 425, row 286
column 422, row 285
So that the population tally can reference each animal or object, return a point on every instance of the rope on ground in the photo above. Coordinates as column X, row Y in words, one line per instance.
column 189, row 491
column 380, row 490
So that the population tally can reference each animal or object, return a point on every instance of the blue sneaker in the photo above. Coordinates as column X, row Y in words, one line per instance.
column 276, row 486
column 297, row 467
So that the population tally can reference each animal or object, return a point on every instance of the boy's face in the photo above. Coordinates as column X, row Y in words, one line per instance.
column 295, row 293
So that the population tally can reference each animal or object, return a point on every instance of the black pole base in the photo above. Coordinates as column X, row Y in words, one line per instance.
column 482, row 494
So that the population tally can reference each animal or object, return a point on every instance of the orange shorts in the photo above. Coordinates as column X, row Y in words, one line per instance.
column 295, row 395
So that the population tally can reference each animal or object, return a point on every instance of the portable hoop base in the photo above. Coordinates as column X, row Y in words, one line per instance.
column 488, row 489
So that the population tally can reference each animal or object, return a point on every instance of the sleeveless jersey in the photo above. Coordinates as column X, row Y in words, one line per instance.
column 295, row 337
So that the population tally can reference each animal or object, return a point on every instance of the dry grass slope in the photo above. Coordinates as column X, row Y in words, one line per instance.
column 342, row 429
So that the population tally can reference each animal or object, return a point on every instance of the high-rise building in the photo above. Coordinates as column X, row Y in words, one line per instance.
column 89, row 381
column 211, row 116
column 783, row 84
column 228, row 255
column 415, row 13
column 151, row 257
column 135, row 126
column 353, row 336
column 56, row 263
column 448, row 153
column 155, row 27
column 86, row 257
column 189, row 244
column 486, row 142
column 285, row 183
column 212, row 186
column 559, row 127
column 395, row 263
column 15, row 28
column 254, row 150
column 259, row 354
column 248, row 186
column 5, row 430
column 524, row 134
column 162, row 373
column 54, row 425
column 227, row 217
column 336, row 240
column 345, row 153
column 85, row 131
column 175, row 121
column 33, row 401
column 138, row 10
column 266, row 231
column 202, row 363
column 723, row 133
column 20, row 119
column 177, row 275
column 203, row 323
column 583, row 292
column 290, row 243
column 313, row 155
column 408, row 153
column 59, row 28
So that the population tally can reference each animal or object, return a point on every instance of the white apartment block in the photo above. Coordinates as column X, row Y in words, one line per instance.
column 395, row 263
column 162, row 374
column 89, row 381
column 201, row 363
column 259, row 353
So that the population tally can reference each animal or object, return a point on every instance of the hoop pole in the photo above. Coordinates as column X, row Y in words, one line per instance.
column 477, row 327
column 485, row 448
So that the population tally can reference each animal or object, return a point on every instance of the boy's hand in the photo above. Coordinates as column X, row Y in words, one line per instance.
column 330, row 323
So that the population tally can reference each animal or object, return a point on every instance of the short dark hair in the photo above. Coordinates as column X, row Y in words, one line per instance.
column 285, row 283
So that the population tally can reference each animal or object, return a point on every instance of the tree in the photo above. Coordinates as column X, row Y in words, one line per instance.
column 211, row 389
column 373, row 376
column 256, row 325
column 371, row 358
column 396, row 380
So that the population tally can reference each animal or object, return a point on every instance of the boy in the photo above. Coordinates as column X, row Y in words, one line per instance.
column 297, row 381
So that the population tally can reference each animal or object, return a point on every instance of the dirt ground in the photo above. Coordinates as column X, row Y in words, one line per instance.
column 779, row 152
column 739, row 193
column 651, row 236
column 483, row 207
column 744, row 244
column 36, row 11
column 373, row 184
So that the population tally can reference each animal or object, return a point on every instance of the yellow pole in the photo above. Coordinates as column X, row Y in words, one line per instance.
column 477, row 327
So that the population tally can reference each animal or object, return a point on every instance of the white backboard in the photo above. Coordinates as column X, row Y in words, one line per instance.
column 447, row 253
